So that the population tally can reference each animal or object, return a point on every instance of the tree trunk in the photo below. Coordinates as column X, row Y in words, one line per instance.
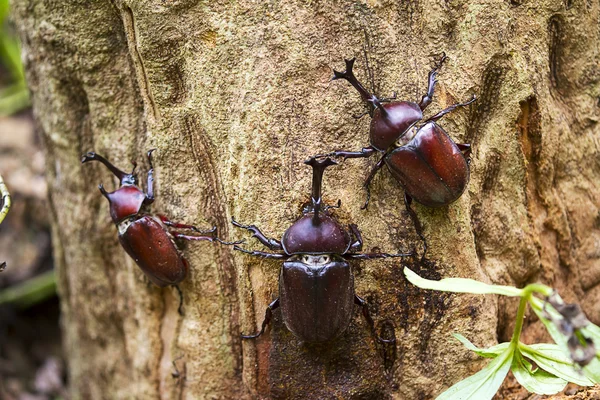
column 234, row 97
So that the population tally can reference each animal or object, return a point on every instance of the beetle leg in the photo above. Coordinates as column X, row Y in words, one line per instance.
column 367, row 184
column 180, row 308
column 261, row 253
column 359, row 301
column 356, row 246
column 170, row 223
column 363, row 153
column 150, row 187
column 338, row 205
column 431, row 81
column 388, row 99
column 449, row 109
column 268, row 315
column 371, row 256
column 272, row 244
column 416, row 222
column 465, row 148
column 179, row 235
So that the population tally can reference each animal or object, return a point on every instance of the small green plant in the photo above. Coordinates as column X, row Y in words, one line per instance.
column 540, row 368
column 15, row 96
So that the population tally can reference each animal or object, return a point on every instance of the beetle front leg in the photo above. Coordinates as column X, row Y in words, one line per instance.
column 449, row 109
column 359, row 301
column 268, row 315
column 179, row 235
column 263, row 254
column 358, row 245
column 431, row 81
column 365, row 152
column 150, row 187
column 272, row 244
column 367, row 184
column 172, row 224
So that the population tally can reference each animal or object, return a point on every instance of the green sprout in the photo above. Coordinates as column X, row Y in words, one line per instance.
column 15, row 96
column 540, row 368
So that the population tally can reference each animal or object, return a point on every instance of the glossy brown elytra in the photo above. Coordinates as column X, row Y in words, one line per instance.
column 146, row 238
column 316, row 284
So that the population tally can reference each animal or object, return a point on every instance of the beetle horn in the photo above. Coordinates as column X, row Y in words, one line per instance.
column 318, row 169
column 91, row 156
column 350, row 77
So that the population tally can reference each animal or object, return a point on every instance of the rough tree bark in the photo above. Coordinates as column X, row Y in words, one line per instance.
column 234, row 96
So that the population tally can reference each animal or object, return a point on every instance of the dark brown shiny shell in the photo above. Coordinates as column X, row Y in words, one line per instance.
column 387, row 128
column 317, row 303
column 430, row 167
column 327, row 237
column 125, row 202
column 151, row 246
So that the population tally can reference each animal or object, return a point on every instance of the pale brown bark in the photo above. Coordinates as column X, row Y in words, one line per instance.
column 234, row 97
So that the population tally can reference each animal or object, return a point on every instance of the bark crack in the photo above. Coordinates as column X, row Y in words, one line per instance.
column 138, row 62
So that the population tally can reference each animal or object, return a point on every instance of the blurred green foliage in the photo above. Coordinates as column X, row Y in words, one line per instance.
column 14, row 95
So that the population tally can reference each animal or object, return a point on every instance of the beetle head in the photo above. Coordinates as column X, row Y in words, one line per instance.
column 125, row 201
column 316, row 232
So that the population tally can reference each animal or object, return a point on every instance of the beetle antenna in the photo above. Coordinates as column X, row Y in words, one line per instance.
column 349, row 76
column 318, row 169
column 124, row 177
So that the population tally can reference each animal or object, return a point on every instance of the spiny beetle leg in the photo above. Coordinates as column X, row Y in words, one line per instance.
column 263, row 254
column 450, row 109
column 367, row 184
column 272, row 244
column 431, row 81
column 365, row 152
column 365, row 311
column 372, row 256
column 179, row 235
column 358, row 245
column 465, row 148
column 170, row 223
column 268, row 315
column 416, row 222
column 150, row 186
column 180, row 308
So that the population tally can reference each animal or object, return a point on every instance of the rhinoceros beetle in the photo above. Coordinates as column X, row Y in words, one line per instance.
column 316, row 284
column 145, row 237
column 432, row 169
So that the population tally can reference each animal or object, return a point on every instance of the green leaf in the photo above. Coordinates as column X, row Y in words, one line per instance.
column 490, row 352
column 484, row 384
column 552, row 358
column 460, row 285
column 535, row 381
column 31, row 292
column 592, row 370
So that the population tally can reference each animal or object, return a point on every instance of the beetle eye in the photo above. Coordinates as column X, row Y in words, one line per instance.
column 325, row 259
column 305, row 259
